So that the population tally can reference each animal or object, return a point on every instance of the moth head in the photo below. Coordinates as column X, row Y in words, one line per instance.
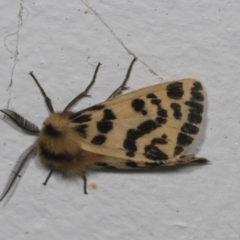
column 56, row 125
column 58, row 139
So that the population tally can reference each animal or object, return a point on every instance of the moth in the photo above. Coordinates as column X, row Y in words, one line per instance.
column 147, row 128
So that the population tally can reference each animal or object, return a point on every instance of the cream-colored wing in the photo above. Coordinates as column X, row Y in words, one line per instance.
column 152, row 125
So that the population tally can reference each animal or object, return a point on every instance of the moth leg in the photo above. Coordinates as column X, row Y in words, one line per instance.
column 84, row 183
column 46, row 98
column 49, row 175
column 84, row 93
column 123, row 85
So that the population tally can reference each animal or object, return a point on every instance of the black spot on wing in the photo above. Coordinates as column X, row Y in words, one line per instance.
column 130, row 154
column 184, row 140
column 108, row 115
column 51, row 131
column 131, row 164
column 194, row 118
column 104, row 165
column 197, row 96
column 134, row 134
column 195, row 112
column 98, row 140
column 151, row 95
column 178, row 150
column 147, row 126
column 154, row 153
column 129, row 142
column 130, row 146
column 177, row 113
column 82, row 130
column 195, row 107
column 138, row 106
column 104, row 126
column 82, row 118
column 189, row 128
column 153, row 164
column 196, row 92
column 175, row 90
column 162, row 140
column 161, row 121
column 197, row 86
column 162, row 113
column 155, row 101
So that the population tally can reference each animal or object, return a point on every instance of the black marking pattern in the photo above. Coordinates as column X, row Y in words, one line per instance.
column 162, row 140
column 104, row 126
column 184, row 139
column 108, row 115
column 82, row 118
column 138, row 106
column 146, row 127
column 60, row 157
column 194, row 117
column 82, row 130
column 153, row 164
column 156, row 101
column 161, row 113
column 189, row 128
column 154, row 153
column 132, row 164
column 175, row 90
column 161, row 120
column 195, row 107
column 133, row 134
column 151, row 95
column 104, row 165
column 195, row 92
column 98, row 140
column 51, row 131
column 178, row 150
column 176, row 110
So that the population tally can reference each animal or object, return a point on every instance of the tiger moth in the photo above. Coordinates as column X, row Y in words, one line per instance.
column 147, row 128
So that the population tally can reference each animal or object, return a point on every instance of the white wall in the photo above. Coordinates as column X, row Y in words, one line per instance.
column 62, row 42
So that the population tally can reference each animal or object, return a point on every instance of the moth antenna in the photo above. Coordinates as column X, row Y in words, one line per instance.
column 49, row 175
column 122, row 87
column 84, row 183
column 21, row 121
column 84, row 93
column 46, row 98
column 17, row 169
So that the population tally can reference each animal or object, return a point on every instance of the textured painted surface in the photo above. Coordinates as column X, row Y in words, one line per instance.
column 62, row 42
